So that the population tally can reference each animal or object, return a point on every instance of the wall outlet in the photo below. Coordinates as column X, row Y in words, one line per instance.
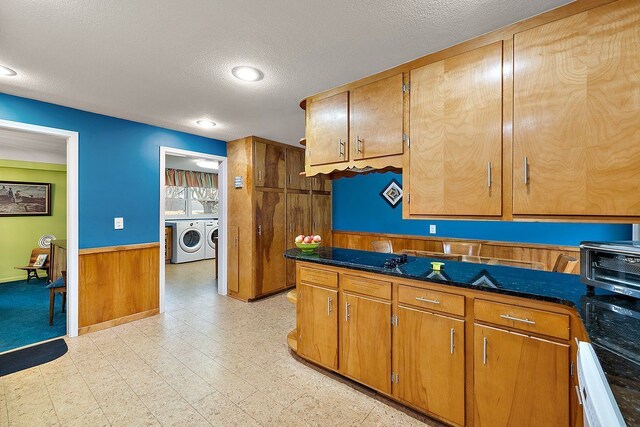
column 118, row 223
column 432, row 229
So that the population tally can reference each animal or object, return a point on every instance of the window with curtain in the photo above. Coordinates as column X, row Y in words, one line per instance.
column 190, row 194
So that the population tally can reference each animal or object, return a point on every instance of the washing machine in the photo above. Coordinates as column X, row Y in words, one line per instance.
column 188, row 241
column 211, row 232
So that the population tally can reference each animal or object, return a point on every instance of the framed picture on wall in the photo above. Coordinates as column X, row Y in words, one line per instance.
column 18, row 198
column 392, row 193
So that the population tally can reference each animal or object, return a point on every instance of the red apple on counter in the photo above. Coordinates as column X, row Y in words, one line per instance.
column 317, row 239
column 308, row 239
column 299, row 239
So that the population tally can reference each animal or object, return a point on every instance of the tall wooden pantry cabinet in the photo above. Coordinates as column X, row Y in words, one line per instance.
column 269, row 204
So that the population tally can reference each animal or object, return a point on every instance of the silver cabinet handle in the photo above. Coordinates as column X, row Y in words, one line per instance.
column 489, row 174
column 289, row 179
column 579, row 395
column 517, row 319
column 235, row 242
column 432, row 301
column 346, row 311
column 484, row 350
column 452, row 345
column 329, row 301
column 340, row 148
column 290, row 227
column 259, row 175
column 260, row 230
column 526, row 170
column 358, row 142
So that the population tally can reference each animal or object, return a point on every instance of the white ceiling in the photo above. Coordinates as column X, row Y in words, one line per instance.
column 168, row 62
column 186, row 163
column 32, row 147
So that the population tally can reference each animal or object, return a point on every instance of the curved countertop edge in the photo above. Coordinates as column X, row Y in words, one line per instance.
column 622, row 373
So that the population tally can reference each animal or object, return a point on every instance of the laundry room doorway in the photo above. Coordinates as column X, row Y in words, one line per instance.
column 192, row 231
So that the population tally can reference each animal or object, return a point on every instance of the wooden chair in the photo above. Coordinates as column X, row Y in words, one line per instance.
column 565, row 264
column 57, row 287
column 32, row 271
column 461, row 248
column 531, row 265
column 382, row 246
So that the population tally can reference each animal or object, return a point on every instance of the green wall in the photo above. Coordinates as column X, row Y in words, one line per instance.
column 20, row 234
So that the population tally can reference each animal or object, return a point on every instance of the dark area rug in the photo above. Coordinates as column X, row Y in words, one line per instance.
column 29, row 357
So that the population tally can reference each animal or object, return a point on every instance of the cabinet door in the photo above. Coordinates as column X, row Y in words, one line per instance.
column 321, row 217
column 270, row 241
column 317, row 324
column 328, row 130
column 429, row 360
column 377, row 120
column 269, row 163
column 365, row 344
column 519, row 380
column 320, row 183
column 295, row 165
column 455, row 159
column 577, row 114
column 298, row 222
column 233, row 271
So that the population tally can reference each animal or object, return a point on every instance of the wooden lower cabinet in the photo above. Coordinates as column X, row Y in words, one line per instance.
column 317, row 324
column 365, row 344
column 429, row 360
column 519, row 380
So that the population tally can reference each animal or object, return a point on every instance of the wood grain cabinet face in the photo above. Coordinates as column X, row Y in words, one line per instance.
column 365, row 341
column 270, row 242
column 233, row 259
column 577, row 114
column 376, row 120
column 519, row 380
column 455, row 158
column 320, row 183
column 321, row 217
column 429, row 358
column 328, row 130
column 298, row 222
column 269, row 161
column 317, row 324
column 295, row 165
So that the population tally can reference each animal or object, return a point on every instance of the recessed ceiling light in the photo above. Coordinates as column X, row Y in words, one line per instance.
column 206, row 123
column 207, row 164
column 248, row 74
column 6, row 71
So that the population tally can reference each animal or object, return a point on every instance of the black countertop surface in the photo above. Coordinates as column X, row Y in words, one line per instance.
column 612, row 321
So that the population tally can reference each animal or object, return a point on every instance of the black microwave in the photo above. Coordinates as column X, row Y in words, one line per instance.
column 611, row 265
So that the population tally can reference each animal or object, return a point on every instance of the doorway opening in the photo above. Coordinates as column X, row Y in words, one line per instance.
column 192, row 227
column 38, row 234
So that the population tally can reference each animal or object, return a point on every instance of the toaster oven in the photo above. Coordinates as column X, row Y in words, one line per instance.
column 611, row 265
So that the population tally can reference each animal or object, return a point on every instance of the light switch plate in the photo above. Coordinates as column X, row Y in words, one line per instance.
column 432, row 229
column 118, row 223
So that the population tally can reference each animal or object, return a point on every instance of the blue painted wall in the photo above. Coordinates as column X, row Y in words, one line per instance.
column 118, row 167
column 357, row 206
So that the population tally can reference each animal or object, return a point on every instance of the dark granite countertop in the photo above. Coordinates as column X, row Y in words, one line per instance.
column 612, row 321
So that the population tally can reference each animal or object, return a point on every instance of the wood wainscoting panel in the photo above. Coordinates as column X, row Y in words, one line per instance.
column 117, row 282
column 529, row 252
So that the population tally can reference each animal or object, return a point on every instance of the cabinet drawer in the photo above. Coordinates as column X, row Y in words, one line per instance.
column 523, row 318
column 433, row 300
column 319, row 277
column 360, row 285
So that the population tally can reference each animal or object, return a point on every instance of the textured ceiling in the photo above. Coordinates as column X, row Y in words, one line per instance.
column 168, row 62
column 32, row 147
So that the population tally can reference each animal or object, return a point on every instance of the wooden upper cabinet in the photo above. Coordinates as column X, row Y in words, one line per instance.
column 317, row 324
column 269, row 165
column 298, row 222
column 295, row 165
column 577, row 114
column 321, row 217
column 455, row 158
column 320, row 183
column 328, row 129
column 376, row 119
column 519, row 380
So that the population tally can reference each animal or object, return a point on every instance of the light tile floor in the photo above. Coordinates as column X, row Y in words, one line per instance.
column 209, row 360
